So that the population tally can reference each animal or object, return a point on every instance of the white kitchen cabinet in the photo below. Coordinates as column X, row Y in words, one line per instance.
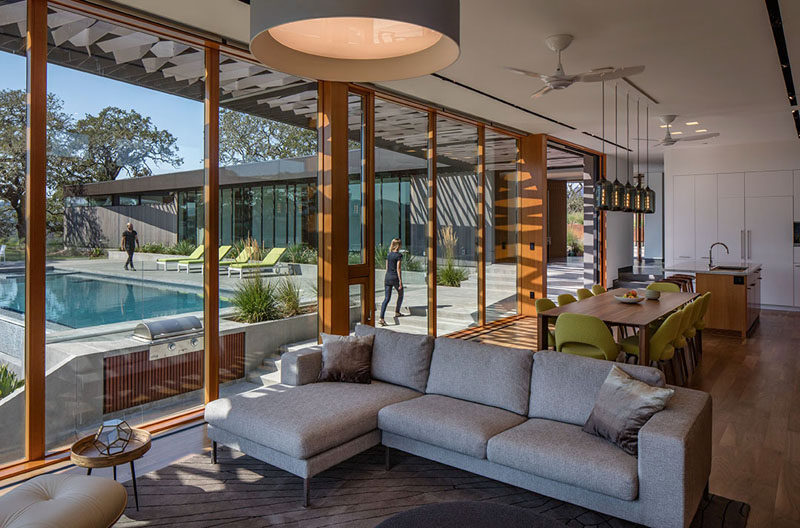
column 730, row 228
column 770, row 183
column 683, row 215
column 705, row 213
column 730, row 184
column 797, row 285
column 769, row 242
column 797, row 196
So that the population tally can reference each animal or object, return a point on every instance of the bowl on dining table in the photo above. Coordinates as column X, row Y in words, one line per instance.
column 651, row 295
column 629, row 300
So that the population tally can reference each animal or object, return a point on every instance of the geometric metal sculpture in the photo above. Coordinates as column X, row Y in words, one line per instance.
column 113, row 437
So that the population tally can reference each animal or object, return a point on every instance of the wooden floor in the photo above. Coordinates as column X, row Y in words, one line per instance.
column 756, row 436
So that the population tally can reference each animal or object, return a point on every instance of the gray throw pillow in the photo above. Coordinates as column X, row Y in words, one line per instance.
column 622, row 407
column 346, row 358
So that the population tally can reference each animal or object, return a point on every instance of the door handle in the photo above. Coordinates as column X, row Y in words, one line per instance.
column 749, row 244
column 741, row 236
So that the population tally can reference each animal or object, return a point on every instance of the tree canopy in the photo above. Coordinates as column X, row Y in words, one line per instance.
column 94, row 148
column 245, row 138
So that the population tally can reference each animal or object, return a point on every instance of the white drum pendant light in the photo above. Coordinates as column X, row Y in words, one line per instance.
column 355, row 40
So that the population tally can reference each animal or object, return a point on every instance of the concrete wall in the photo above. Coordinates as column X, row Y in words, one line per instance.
column 103, row 226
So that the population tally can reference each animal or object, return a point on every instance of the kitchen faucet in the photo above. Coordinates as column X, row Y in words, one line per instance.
column 710, row 256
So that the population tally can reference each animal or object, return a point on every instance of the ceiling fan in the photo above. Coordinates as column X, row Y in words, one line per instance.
column 560, row 80
column 668, row 140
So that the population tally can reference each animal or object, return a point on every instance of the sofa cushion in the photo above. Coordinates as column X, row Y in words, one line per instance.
column 399, row 358
column 453, row 424
column 564, row 453
column 305, row 420
column 346, row 358
column 564, row 386
column 488, row 374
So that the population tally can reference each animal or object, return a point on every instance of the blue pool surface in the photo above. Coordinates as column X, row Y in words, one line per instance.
column 79, row 301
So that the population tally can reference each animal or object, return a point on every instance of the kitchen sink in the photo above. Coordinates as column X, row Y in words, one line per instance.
column 729, row 268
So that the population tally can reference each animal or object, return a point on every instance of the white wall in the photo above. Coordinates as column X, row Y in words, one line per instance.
column 753, row 157
column 619, row 244
column 654, row 223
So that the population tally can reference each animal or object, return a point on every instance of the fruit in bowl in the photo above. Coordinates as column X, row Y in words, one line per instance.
column 631, row 294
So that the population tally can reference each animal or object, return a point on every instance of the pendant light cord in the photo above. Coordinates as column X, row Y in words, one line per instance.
column 616, row 136
column 638, row 140
column 628, row 139
column 647, row 146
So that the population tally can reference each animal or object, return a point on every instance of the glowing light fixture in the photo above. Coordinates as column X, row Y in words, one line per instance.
column 355, row 40
column 701, row 130
column 630, row 191
column 692, row 123
column 617, row 188
column 603, row 187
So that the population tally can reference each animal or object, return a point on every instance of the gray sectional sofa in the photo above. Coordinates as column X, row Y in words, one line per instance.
column 504, row 413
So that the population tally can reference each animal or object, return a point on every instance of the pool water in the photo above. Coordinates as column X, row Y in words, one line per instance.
column 77, row 301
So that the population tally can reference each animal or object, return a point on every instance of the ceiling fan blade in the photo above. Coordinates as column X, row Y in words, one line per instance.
column 607, row 75
column 525, row 72
column 541, row 92
column 645, row 139
column 700, row 137
column 660, row 144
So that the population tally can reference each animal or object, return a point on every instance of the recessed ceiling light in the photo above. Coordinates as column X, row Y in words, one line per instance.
column 666, row 126
column 701, row 130
column 691, row 123
column 676, row 133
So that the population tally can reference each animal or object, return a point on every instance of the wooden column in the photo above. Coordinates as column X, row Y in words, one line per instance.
column 211, row 228
column 333, row 273
column 481, row 225
column 368, row 212
column 432, row 232
column 532, row 283
column 36, row 231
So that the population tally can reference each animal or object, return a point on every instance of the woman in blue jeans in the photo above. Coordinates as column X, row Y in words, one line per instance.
column 393, row 279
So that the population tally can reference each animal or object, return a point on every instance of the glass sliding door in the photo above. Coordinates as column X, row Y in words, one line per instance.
column 13, row 167
column 268, row 161
column 125, row 119
column 456, row 225
column 401, row 212
column 501, row 225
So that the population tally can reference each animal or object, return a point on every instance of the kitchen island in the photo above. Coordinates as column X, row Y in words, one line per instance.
column 735, row 292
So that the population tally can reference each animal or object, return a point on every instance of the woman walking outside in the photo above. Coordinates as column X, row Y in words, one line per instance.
column 393, row 279
column 129, row 243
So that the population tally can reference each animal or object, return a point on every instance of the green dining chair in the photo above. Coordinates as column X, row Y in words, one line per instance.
column 662, row 348
column 664, row 287
column 565, row 299
column 583, row 293
column 585, row 335
column 700, row 323
column 542, row 305
column 597, row 289
column 681, row 342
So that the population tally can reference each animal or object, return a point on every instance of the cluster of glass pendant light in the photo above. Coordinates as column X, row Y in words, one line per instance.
column 617, row 196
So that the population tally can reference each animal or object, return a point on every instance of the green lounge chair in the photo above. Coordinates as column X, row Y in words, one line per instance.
column 243, row 257
column 196, row 254
column 270, row 262
column 187, row 263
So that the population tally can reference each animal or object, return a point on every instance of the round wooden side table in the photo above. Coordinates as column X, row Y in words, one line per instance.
column 83, row 453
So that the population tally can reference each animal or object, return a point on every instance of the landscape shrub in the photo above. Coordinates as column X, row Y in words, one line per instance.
column 255, row 300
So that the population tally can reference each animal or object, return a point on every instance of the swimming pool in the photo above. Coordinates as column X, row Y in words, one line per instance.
column 78, row 301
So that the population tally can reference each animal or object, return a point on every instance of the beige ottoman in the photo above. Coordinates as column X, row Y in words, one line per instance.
column 63, row 501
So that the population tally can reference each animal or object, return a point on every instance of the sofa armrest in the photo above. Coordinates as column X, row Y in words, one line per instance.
column 301, row 367
column 675, row 458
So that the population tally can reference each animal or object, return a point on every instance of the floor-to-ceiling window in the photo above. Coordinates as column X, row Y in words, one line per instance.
column 123, row 105
column 456, row 225
column 12, row 228
column 268, row 171
column 501, row 218
column 401, row 210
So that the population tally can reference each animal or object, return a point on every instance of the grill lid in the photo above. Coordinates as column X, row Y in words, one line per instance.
column 177, row 326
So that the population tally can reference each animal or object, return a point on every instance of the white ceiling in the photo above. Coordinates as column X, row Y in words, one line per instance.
column 711, row 61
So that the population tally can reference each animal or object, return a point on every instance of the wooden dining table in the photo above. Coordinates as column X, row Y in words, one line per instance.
column 613, row 312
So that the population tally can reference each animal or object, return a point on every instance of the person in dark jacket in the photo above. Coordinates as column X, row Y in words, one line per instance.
column 393, row 279
column 129, row 243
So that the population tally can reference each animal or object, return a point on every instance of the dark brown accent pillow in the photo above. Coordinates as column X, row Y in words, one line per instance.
column 346, row 358
column 622, row 407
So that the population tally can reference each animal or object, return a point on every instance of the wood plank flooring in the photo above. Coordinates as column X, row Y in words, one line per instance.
column 756, row 435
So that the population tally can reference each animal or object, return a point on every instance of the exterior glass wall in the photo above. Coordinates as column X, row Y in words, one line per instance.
column 501, row 217
column 124, row 106
column 456, row 225
column 268, row 172
column 13, row 122
column 401, row 210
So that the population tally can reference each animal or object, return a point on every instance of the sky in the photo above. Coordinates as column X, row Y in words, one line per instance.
column 83, row 93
